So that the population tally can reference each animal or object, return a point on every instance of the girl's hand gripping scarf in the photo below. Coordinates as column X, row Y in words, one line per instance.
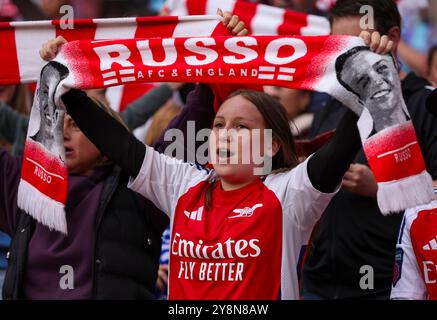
column 342, row 66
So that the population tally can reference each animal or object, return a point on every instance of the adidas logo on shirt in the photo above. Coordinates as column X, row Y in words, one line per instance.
column 431, row 245
column 195, row 215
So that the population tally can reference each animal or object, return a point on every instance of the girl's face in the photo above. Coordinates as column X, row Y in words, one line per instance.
column 239, row 140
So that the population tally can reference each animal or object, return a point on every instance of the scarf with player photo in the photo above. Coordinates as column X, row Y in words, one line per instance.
column 342, row 66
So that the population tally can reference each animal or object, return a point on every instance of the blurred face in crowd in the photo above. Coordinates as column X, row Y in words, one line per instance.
column 280, row 3
column 7, row 93
column 300, row 5
column 348, row 26
column 294, row 101
column 50, row 8
column 81, row 155
column 232, row 136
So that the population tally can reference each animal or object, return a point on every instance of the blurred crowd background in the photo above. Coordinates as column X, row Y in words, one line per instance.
column 417, row 52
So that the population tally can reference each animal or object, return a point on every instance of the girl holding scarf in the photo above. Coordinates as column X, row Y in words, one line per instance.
column 235, row 234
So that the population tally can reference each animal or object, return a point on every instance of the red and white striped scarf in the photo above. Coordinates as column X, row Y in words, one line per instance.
column 22, row 62
column 21, row 41
column 259, row 19
column 321, row 63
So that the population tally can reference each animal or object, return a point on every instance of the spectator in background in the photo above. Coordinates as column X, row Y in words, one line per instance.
column 414, row 21
column 13, row 99
column 160, row 121
column 432, row 65
column 306, row 6
column 432, row 16
column 156, row 5
column 17, row 97
column 50, row 8
column 157, row 128
column 13, row 125
column 114, row 236
column 8, row 11
column 123, row 8
column 296, row 103
column 85, row 9
column 352, row 232
column 417, row 29
column 162, row 279
column 325, row 5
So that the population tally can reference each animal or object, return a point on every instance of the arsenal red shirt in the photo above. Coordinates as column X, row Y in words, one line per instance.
column 246, row 244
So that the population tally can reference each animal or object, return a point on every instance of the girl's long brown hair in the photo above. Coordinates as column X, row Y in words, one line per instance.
column 275, row 118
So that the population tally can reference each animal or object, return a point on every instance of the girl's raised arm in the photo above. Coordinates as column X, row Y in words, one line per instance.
column 327, row 166
column 109, row 136
column 157, row 177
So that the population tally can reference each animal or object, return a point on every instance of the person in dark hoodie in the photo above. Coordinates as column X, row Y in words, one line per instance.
column 113, row 245
column 352, row 250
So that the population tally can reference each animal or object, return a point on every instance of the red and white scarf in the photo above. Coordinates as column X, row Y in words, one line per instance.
column 21, row 41
column 22, row 62
column 322, row 63
column 259, row 19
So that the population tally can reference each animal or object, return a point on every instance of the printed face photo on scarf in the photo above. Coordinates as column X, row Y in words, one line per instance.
column 51, row 118
column 371, row 77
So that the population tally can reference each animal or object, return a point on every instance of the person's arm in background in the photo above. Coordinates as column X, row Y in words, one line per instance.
column 416, row 60
column 199, row 113
column 432, row 17
column 13, row 126
column 10, row 170
column 328, row 165
column 138, row 112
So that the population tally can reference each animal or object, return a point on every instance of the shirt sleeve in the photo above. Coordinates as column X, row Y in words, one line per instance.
column 301, row 202
column 407, row 279
column 163, row 179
